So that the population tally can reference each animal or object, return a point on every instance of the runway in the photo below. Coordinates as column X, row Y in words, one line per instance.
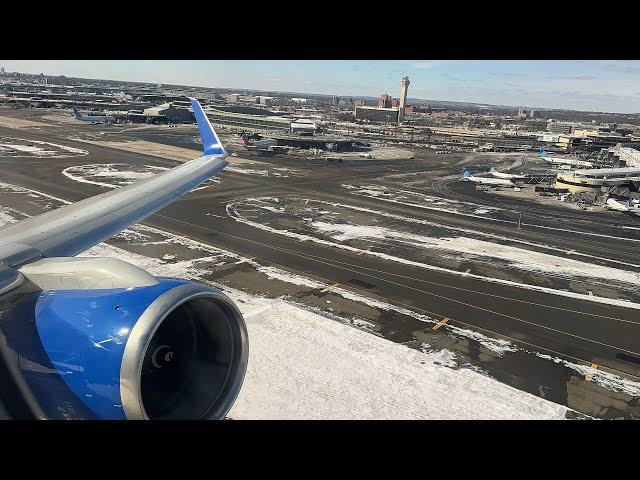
column 560, row 319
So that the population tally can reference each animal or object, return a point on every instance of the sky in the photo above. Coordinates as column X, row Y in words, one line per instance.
column 607, row 86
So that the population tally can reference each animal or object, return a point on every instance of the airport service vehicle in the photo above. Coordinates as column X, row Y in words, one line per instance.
column 266, row 144
column 99, row 338
column 508, row 176
column 544, row 155
column 491, row 182
column 94, row 117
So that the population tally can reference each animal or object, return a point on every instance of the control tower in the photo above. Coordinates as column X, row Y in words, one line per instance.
column 403, row 98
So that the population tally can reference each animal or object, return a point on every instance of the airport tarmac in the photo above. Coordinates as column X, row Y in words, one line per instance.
column 537, row 296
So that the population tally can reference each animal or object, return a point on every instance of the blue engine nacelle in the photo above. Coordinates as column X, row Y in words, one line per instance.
column 175, row 349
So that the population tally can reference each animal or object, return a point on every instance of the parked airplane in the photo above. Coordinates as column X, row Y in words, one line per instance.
column 508, row 176
column 99, row 338
column 266, row 144
column 96, row 118
column 613, row 204
column 544, row 155
column 491, row 182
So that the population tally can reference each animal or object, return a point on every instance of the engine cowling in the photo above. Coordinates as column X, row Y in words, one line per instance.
column 169, row 349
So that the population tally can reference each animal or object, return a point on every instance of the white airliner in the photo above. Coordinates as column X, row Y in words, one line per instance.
column 613, row 204
column 96, row 118
column 492, row 182
column 266, row 144
column 508, row 176
column 544, row 155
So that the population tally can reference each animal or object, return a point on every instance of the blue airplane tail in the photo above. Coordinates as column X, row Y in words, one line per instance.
column 466, row 173
column 543, row 152
column 210, row 141
column 76, row 112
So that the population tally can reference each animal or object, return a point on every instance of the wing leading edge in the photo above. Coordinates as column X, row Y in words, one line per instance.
column 71, row 229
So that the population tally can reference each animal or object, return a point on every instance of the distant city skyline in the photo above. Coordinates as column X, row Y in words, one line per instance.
column 606, row 86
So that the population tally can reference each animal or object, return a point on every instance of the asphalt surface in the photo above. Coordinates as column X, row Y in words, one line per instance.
column 580, row 331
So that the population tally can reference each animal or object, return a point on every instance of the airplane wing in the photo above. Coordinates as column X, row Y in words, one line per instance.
column 80, row 336
column 74, row 228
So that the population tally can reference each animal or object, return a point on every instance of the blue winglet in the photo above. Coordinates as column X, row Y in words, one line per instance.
column 210, row 140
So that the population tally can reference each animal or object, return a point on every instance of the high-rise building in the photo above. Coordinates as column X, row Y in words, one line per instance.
column 2, row 71
column 404, row 89
column 384, row 101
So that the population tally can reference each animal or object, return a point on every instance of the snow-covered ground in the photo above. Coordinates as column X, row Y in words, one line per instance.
column 275, row 172
column 459, row 247
column 114, row 175
column 18, row 147
column 303, row 365
column 196, row 260
column 421, row 200
column 111, row 175
column 306, row 363
column 468, row 209
column 517, row 257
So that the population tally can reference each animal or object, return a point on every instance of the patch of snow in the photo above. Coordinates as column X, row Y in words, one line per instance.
column 8, row 215
column 303, row 366
column 247, row 171
column 468, row 231
column 300, row 390
column 367, row 377
column 591, row 298
column 606, row 380
column 383, row 195
column 110, row 175
column 517, row 258
column 27, row 146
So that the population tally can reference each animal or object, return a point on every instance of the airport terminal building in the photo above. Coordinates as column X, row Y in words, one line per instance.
column 376, row 114
column 249, row 121
column 598, row 179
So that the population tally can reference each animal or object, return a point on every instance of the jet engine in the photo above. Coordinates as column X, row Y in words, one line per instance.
column 98, row 338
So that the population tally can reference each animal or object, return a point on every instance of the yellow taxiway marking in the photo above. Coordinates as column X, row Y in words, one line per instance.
column 362, row 252
column 589, row 375
column 467, row 271
column 441, row 323
column 329, row 288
